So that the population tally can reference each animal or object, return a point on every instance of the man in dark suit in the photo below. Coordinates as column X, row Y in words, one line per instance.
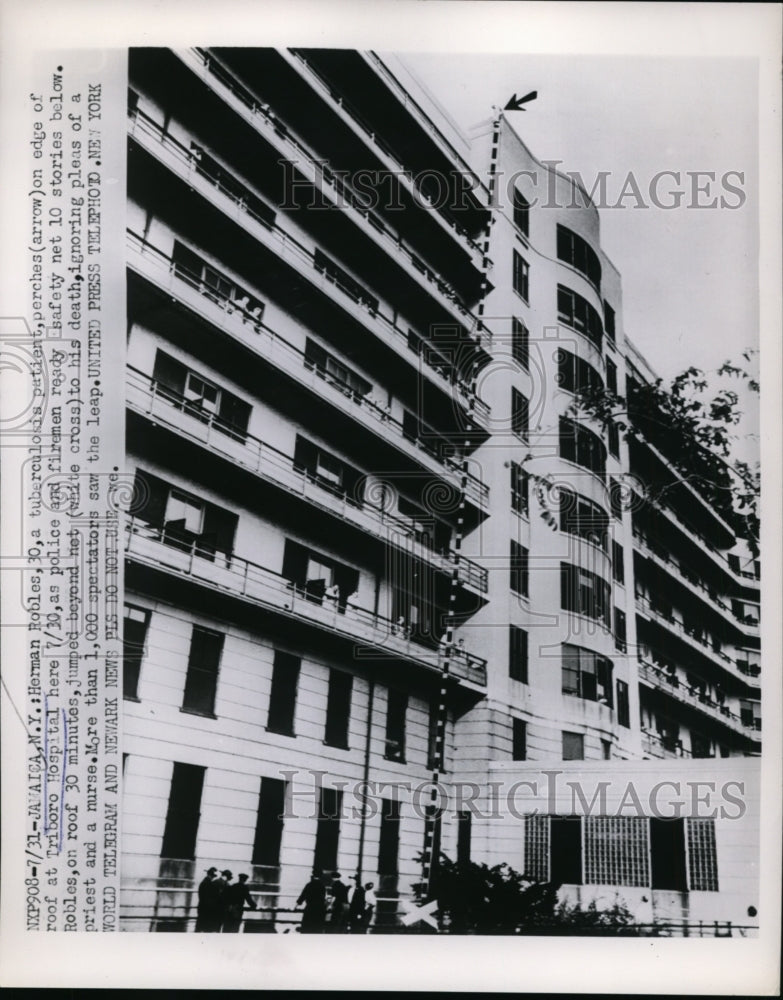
column 313, row 897
column 237, row 895
column 356, row 907
column 339, row 911
column 209, row 893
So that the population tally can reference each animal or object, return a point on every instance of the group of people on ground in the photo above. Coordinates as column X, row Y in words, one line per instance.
column 221, row 902
column 341, row 910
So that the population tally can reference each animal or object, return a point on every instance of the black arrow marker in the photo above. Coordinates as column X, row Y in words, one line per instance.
column 515, row 104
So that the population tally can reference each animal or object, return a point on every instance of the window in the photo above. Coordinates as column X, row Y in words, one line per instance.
column 519, row 569
column 618, row 565
column 584, row 593
column 580, row 516
column 520, row 489
column 518, row 739
column 327, row 470
column 613, row 433
column 520, row 343
column 282, row 697
column 134, row 637
column 314, row 574
column 574, row 250
column 269, row 823
column 184, row 812
column 463, row 836
column 606, row 749
column 574, row 374
column 206, row 647
column 201, row 394
column 586, row 674
column 396, row 709
column 623, row 708
column 573, row 746
column 333, row 370
column 521, row 278
column 519, row 414
column 565, row 848
column 517, row 654
column 184, row 512
column 616, row 498
column 521, row 213
column 667, row 854
column 327, row 834
column 577, row 313
column 702, row 855
column 750, row 713
column 338, row 709
column 389, row 842
column 701, row 746
column 616, row 850
column 609, row 321
column 619, row 630
column 582, row 446
column 611, row 376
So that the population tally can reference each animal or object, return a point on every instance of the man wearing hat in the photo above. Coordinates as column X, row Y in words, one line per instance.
column 235, row 898
column 209, row 909
column 356, row 906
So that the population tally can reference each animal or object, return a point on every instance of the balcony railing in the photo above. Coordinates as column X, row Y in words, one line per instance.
column 660, row 745
column 246, row 203
column 648, row 545
column 662, row 680
column 341, row 101
column 691, row 633
column 251, row 582
column 221, row 308
column 159, row 402
column 262, row 114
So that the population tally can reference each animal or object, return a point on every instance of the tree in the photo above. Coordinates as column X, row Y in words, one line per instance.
column 692, row 423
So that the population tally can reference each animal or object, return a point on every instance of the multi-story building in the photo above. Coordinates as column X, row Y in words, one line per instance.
column 370, row 540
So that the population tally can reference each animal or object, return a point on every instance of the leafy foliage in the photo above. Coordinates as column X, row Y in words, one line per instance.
column 691, row 423
column 477, row 899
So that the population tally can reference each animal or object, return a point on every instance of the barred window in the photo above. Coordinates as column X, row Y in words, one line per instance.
column 536, row 847
column 616, row 850
column 702, row 856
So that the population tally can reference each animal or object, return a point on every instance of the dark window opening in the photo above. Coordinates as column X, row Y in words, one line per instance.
column 134, row 638
column 587, row 675
column 521, row 276
column 520, row 490
column 389, row 842
column 201, row 398
column 184, row 812
column 396, row 710
column 338, row 709
column 582, row 446
column 517, row 654
column 269, row 823
column 521, row 213
column 463, row 836
column 623, row 707
column 565, row 850
column 519, row 569
column 520, row 414
column 667, row 854
column 282, row 697
column 518, row 739
column 580, row 516
column 577, row 252
column 577, row 313
column 206, row 647
column 520, row 343
column 573, row 746
column 327, row 836
column 585, row 593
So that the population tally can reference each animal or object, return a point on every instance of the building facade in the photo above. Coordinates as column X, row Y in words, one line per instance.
column 370, row 542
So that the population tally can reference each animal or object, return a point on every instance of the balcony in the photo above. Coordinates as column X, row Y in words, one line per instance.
column 225, row 312
column 241, row 204
column 353, row 117
column 659, row 679
column 662, row 746
column 163, row 405
column 683, row 573
column 280, row 136
column 689, row 635
column 265, row 588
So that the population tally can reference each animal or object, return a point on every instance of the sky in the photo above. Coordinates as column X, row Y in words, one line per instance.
column 689, row 274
